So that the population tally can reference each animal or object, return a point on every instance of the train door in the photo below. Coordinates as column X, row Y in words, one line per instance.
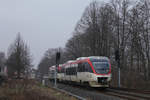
column 81, row 72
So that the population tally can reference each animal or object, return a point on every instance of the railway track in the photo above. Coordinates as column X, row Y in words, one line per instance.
column 128, row 94
column 132, row 90
column 107, row 94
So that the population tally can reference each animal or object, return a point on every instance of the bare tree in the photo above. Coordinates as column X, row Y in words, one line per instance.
column 93, row 33
column 19, row 58
column 49, row 59
column 2, row 61
column 121, row 9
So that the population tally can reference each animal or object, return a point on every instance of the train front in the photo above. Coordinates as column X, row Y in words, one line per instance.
column 102, row 72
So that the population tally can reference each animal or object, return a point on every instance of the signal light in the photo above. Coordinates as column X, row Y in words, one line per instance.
column 57, row 57
column 117, row 55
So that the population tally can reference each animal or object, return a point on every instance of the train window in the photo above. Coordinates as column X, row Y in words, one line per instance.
column 88, row 67
column 84, row 67
column 62, row 70
column 67, row 71
column 81, row 67
column 73, row 70
column 70, row 71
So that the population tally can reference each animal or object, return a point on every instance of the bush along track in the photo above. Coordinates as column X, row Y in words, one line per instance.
column 30, row 90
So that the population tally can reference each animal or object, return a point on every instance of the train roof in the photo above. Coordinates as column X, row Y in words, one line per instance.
column 60, row 65
column 98, row 57
column 93, row 57
column 52, row 68
column 81, row 58
column 71, row 61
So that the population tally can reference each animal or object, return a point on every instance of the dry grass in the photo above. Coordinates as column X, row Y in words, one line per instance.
column 29, row 90
column 130, row 79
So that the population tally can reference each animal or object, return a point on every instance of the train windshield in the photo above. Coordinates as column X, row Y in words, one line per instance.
column 101, row 67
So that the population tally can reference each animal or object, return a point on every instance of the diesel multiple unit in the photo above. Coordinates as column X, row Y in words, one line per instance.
column 94, row 71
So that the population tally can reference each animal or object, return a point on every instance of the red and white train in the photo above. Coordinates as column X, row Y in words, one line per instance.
column 94, row 71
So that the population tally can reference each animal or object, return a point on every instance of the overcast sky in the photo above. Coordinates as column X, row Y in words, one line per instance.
column 43, row 24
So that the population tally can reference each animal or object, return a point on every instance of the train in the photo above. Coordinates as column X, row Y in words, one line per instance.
column 94, row 71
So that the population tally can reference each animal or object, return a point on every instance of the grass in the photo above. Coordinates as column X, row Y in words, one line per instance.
column 30, row 90
column 130, row 79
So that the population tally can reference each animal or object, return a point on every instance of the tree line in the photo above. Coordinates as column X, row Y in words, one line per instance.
column 122, row 25
column 18, row 62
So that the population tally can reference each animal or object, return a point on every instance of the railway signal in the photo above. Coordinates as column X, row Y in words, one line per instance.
column 57, row 63
column 57, row 57
column 117, row 56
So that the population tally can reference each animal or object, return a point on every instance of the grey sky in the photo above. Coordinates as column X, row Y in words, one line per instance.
column 43, row 24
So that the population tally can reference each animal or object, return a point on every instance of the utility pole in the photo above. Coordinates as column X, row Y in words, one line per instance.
column 117, row 58
column 119, row 72
column 118, row 52
column 55, row 84
column 57, row 64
